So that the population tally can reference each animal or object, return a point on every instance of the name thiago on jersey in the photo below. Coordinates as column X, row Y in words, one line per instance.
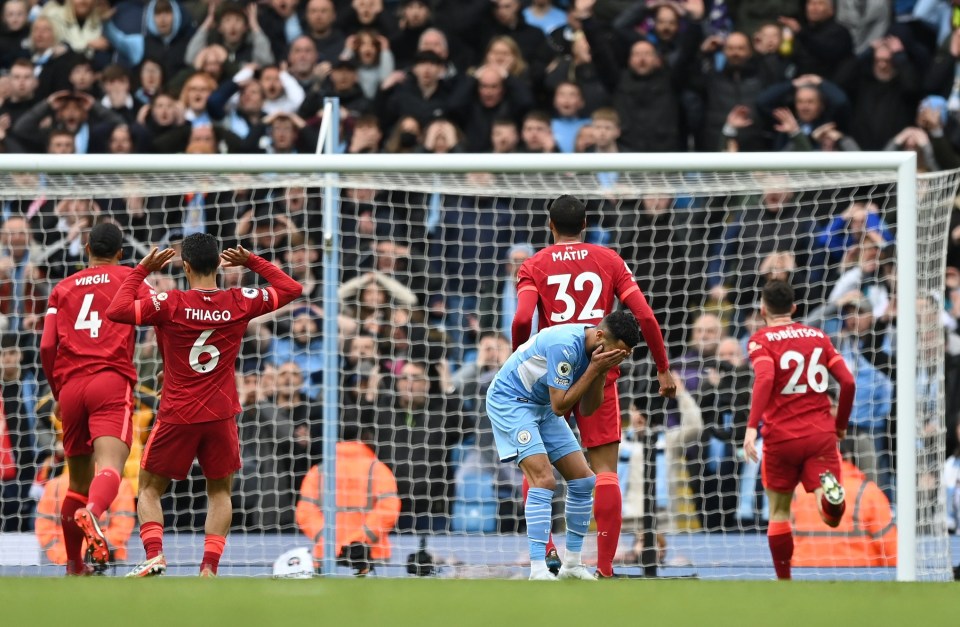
column 792, row 334
column 206, row 315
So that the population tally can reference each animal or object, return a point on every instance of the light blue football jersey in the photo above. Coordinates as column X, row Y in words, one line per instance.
column 553, row 358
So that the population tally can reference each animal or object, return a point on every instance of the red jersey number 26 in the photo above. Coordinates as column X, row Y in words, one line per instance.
column 816, row 373
column 589, row 311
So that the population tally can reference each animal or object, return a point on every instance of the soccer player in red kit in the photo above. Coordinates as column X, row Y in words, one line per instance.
column 791, row 363
column 199, row 333
column 88, row 361
column 574, row 282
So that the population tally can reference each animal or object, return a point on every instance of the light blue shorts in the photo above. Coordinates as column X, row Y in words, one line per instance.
column 522, row 429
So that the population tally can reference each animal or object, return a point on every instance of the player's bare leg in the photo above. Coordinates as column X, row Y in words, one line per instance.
column 150, row 515
column 110, row 454
column 779, row 533
column 552, row 558
column 608, row 504
column 80, row 468
column 831, row 499
column 539, row 512
column 579, row 507
column 217, row 525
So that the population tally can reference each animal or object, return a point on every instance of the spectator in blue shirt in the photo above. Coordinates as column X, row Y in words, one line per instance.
column 859, row 220
column 545, row 16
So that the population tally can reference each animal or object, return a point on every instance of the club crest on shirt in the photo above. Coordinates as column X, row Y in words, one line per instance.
column 162, row 296
column 564, row 369
column 523, row 437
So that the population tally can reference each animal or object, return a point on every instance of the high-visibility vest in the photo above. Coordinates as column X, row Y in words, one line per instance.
column 367, row 502
column 866, row 536
column 117, row 522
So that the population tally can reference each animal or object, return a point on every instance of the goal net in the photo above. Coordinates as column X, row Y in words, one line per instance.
column 426, row 298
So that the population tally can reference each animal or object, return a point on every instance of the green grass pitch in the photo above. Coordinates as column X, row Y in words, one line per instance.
column 185, row 602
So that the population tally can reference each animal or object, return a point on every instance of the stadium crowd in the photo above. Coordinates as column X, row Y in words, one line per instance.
column 426, row 287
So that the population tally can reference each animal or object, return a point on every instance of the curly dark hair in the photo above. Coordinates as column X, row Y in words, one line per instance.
column 202, row 252
column 622, row 326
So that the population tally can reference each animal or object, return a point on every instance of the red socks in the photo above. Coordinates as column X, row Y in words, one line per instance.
column 608, row 511
column 72, row 535
column 151, row 534
column 212, row 550
column 526, row 488
column 780, row 538
column 832, row 514
column 103, row 490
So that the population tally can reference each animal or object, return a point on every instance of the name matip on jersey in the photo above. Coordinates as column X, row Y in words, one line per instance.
column 802, row 357
column 87, row 341
column 576, row 282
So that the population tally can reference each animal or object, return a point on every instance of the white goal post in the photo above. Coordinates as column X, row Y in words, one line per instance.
column 659, row 171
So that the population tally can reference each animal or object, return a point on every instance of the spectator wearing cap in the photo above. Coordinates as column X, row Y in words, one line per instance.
column 319, row 24
column 884, row 87
column 280, row 22
column 423, row 95
column 342, row 83
column 166, row 34
column 495, row 96
column 821, row 45
column 375, row 61
column 416, row 17
column 237, row 30
column 76, row 113
column 78, row 24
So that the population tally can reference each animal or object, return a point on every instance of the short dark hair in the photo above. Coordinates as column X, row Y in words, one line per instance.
column 568, row 215
column 202, row 252
column 105, row 240
column 623, row 326
column 778, row 297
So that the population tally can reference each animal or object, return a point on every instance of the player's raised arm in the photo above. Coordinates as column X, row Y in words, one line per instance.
column 283, row 288
column 126, row 307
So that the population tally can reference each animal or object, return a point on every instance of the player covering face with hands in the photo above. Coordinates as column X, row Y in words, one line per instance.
column 792, row 365
column 200, row 332
column 557, row 369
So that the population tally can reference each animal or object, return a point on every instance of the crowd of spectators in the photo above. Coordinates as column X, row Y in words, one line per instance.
column 427, row 292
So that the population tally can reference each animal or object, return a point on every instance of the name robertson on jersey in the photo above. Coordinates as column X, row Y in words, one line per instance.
column 570, row 255
column 206, row 315
column 93, row 279
column 792, row 334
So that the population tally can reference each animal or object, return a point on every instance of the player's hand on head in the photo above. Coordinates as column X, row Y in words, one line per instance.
column 750, row 446
column 156, row 259
column 235, row 257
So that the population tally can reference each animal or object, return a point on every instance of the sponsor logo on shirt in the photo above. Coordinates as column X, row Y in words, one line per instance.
column 156, row 302
column 559, row 381
column 754, row 346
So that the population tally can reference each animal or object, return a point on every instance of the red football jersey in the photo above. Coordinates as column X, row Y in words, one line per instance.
column 576, row 282
column 802, row 357
column 199, row 334
column 82, row 340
